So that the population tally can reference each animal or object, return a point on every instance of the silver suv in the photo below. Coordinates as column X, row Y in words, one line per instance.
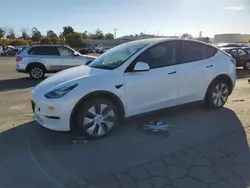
column 40, row 59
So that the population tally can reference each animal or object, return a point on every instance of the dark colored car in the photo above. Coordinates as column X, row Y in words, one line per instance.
column 86, row 51
column 241, row 56
column 247, row 49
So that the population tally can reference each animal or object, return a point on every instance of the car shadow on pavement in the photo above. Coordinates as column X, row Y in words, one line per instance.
column 19, row 83
column 241, row 73
column 32, row 156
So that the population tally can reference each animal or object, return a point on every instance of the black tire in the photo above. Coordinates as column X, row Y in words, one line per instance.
column 80, row 128
column 36, row 72
column 247, row 65
column 223, row 93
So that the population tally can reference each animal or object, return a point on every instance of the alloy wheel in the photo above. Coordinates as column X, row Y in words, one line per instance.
column 220, row 94
column 99, row 120
column 36, row 73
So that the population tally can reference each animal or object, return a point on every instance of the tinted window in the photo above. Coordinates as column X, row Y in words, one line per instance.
column 241, row 52
column 234, row 53
column 43, row 50
column 63, row 51
column 159, row 55
column 195, row 51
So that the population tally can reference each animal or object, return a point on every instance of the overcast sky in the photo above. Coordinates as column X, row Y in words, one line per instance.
column 170, row 17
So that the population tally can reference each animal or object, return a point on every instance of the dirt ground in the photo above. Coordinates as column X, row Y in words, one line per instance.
column 31, row 156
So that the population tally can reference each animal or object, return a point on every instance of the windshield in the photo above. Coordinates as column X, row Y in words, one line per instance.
column 116, row 56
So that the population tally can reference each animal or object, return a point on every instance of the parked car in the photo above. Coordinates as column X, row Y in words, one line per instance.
column 242, row 56
column 231, row 45
column 130, row 79
column 40, row 59
column 9, row 52
column 247, row 49
column 85, row 51
column 99, row 48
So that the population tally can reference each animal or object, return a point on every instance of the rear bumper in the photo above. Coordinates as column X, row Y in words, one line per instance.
column 21, row 68
column 22, row 71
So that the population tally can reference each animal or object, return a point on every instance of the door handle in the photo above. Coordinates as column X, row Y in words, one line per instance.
column 208, row 66
column 172, row 72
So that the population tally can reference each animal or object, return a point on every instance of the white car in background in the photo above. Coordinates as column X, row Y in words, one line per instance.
column 131, row 79
column 40, row 59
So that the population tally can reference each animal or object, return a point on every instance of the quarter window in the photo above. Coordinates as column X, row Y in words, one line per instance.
column 195, row 51
column 65, row 51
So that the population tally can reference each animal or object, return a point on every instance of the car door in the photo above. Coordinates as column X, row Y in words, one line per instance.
column 197, row 70
column 68, row 58
column 48, row 55
column 156, row 88
column 243, row 56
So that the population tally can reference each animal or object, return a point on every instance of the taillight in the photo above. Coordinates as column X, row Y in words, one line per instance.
column 18, row 59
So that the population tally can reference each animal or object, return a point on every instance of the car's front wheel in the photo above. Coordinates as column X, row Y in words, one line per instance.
column 96, row 118
column 218, row 94
column 36, row 72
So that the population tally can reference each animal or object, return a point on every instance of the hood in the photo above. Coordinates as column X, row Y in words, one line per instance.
column 69, row 75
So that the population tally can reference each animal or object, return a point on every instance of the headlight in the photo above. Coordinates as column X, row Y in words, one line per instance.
column 60, row 92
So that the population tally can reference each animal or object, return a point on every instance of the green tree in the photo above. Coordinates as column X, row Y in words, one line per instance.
column 2, row 32
column 67, row 30
column 85, row 35
column 36, row 34
column 51, row 34
column 4, row 42
column 186, row 36
column 25, row 35
column 55, row 40
column 98, row 34
column 11, row 34
column 109, row 36
column 45, row 40
column 74, row 39
column 19, row 42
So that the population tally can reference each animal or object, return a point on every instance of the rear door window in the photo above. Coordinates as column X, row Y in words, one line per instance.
column 44, row 50
column 194, row 51
column 241, row 52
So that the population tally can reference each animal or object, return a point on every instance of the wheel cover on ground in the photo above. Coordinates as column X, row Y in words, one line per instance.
column 36, row 72
column 220, row 94
column 99, row 120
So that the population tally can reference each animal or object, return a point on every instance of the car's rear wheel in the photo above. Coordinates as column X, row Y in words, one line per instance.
column 36, row 72
column 96, row 118
column 218, row 94
column 247, row 65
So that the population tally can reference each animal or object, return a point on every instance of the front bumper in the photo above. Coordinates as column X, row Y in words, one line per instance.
column 50, row 113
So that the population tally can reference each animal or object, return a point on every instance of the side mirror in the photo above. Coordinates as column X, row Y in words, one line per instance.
column 141, row 66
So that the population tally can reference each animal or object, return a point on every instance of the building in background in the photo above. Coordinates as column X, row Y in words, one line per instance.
column 232, row 38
